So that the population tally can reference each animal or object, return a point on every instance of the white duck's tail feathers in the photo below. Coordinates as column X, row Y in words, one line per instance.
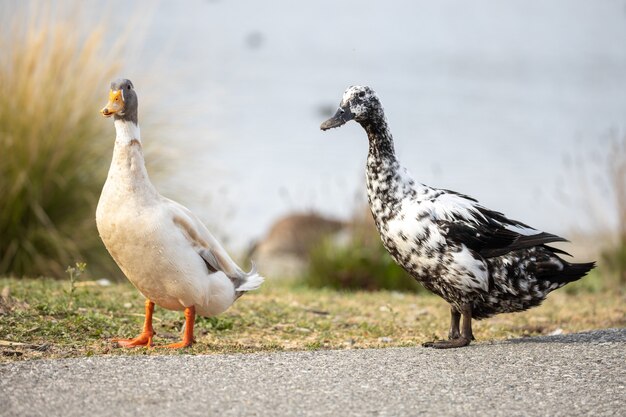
column 250, row 281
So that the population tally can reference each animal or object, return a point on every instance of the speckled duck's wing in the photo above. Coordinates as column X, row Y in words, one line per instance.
column 487, row 232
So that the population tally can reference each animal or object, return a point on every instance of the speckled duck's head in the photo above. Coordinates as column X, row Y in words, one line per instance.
column 359, row 103
column 122, row 103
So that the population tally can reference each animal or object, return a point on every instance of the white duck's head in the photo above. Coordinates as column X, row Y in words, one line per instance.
column 359, row 103
column 122, row 103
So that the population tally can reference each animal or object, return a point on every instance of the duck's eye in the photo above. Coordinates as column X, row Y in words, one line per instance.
column 128, row 87
column 362, row 94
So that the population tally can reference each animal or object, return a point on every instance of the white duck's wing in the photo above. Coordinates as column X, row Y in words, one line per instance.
column 203, row 242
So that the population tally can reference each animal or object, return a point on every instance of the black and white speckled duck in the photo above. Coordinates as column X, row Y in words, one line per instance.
column 478, row 260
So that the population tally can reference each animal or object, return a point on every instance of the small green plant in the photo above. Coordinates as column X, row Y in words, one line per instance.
column 74, row 272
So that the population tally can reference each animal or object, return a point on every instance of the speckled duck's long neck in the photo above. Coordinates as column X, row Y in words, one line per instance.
column 381, row 159
column 380, row 138
column 388, row 183
column 128, row 167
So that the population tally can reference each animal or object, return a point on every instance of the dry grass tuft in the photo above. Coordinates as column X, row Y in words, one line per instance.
column 56, row 147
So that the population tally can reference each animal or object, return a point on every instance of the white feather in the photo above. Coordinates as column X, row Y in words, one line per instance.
column 252, row 281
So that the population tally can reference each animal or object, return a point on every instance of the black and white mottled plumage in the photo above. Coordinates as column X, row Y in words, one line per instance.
column 478, row 260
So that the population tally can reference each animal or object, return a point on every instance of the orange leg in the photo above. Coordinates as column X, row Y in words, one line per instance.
column 190, row 318
column 145, row 338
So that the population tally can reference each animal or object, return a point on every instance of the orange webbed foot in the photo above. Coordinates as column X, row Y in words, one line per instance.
column 178, row 345
column 144, row 339
column 190, row 316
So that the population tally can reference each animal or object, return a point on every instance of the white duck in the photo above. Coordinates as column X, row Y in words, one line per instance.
column 162, row 248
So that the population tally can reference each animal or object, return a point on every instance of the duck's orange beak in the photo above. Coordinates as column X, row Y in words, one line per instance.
column 115, row 104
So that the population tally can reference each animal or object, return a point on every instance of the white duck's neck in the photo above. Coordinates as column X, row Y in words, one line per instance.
column 128, row 168
column 126, row 132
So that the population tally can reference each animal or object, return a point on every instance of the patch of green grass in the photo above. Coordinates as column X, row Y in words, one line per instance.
column 46, row 321
column 357, row 266
column 358, row 263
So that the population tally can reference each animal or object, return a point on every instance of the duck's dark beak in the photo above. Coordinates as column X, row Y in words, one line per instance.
column 341, row 117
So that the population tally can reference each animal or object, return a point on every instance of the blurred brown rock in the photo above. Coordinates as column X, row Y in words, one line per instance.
column 284, row 251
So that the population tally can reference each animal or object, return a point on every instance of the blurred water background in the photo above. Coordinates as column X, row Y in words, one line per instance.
column 497, row 100
column 488, row 98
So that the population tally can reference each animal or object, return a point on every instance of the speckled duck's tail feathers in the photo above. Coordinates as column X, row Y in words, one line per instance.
column 251, row 281
column 574, row 272
column 562, row 272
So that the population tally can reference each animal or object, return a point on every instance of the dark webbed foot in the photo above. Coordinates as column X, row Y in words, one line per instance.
column 448, row 344
column 456, row 338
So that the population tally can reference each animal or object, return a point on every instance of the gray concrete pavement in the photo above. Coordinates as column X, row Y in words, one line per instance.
column 567, row 375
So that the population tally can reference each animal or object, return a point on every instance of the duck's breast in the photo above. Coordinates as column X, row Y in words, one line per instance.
column 418, row 243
